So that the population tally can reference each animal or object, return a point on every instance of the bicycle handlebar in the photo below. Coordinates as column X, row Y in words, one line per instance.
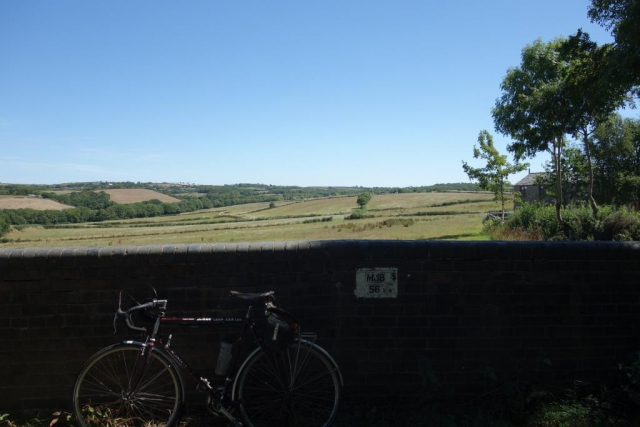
column 162, row 303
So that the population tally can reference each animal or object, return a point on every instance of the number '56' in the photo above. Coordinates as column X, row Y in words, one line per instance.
column 374, row 289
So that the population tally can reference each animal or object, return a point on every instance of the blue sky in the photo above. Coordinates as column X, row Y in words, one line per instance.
column 312, row 92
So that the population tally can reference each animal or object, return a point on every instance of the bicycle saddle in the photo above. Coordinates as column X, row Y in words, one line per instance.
column 253, row 298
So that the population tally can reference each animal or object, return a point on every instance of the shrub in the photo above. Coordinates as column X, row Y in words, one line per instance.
column 537, row 222
column 311, row 221
column 579, row 223
column 620, row 225
column 358, row 214
column 4, row 224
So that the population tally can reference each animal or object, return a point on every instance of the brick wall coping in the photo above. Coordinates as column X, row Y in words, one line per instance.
column 349, row 248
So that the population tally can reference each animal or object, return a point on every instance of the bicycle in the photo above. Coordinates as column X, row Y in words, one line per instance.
column 288, row 380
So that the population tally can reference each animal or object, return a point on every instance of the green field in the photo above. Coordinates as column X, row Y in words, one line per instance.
column 412, row 216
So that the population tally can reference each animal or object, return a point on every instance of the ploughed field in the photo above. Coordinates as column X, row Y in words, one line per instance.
column 24, row 202
column 135, row 195
column 393, row 216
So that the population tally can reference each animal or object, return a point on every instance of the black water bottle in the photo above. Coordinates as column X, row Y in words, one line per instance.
column 224, row 357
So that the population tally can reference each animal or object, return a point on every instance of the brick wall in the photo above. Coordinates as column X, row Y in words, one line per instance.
column 463, row 309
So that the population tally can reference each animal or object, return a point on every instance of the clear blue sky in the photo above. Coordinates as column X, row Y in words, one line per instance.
column 312, row 92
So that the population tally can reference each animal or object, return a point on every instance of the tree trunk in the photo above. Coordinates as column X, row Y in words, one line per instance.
column 592, row 201
column 557, row 154
column 502, row 198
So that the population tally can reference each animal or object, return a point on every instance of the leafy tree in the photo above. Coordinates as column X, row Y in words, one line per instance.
column 622, row 18
column 494, row 176
column 531, row 109
column 272, row 205
column 617, row 160
column 575, row 175
column 562, row 88
column 88, row 199
column 363, row 200
column 171, row 208
column 616, row 163
column 592, row 99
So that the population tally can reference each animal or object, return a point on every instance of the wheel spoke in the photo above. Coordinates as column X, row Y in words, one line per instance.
column 306, row 392
column 104, row 387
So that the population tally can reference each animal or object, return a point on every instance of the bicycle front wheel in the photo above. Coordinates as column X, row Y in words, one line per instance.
column 121, row 386
column 297, row 387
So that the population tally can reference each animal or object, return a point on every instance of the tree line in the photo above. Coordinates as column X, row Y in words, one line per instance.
column 92, row 206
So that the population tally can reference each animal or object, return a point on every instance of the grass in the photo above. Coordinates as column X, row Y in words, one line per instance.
column 449, row 216
column 344, row 205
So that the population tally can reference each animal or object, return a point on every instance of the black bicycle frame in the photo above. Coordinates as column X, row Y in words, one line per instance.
column 248, row 325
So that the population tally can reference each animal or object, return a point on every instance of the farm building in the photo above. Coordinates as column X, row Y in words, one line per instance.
column 531, row 190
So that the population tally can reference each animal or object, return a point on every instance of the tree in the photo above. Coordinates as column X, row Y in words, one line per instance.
column 272, row 205
column 494, row 176
column 622, row 18
column 363, row 199
column 531, row 109
column 562, row 88
column 616, row 157
column 591, row 96
column 575, row 175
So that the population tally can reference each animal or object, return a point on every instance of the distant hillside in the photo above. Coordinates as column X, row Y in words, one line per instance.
column 102, row 201
column 227, row 195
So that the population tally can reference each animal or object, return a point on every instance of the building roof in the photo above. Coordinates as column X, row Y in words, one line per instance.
column 530, row 179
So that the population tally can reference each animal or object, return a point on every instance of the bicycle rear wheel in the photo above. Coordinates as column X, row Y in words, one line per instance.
column 117, row 387
column 298, row 387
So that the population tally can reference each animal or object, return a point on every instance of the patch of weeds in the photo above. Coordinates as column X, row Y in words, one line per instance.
column 311, row 221
column 359, row 214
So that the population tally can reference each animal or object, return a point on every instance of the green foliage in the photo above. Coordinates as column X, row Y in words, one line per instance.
column 561, row 88
column 21, row 190
column 494, row 176
column 272, row 205
column 314, row 220
column 358, row 214
column 630, row 383
column 103, row 211
column 616, row 158
column 530, row 109
column 363, row 200
column 622, row 18
column 4, row 224
column 87, row 199
column 373, row 225
column 537, row 222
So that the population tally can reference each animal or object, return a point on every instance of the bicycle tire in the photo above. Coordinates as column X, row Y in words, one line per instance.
column 278, row 389
column 102, row 393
